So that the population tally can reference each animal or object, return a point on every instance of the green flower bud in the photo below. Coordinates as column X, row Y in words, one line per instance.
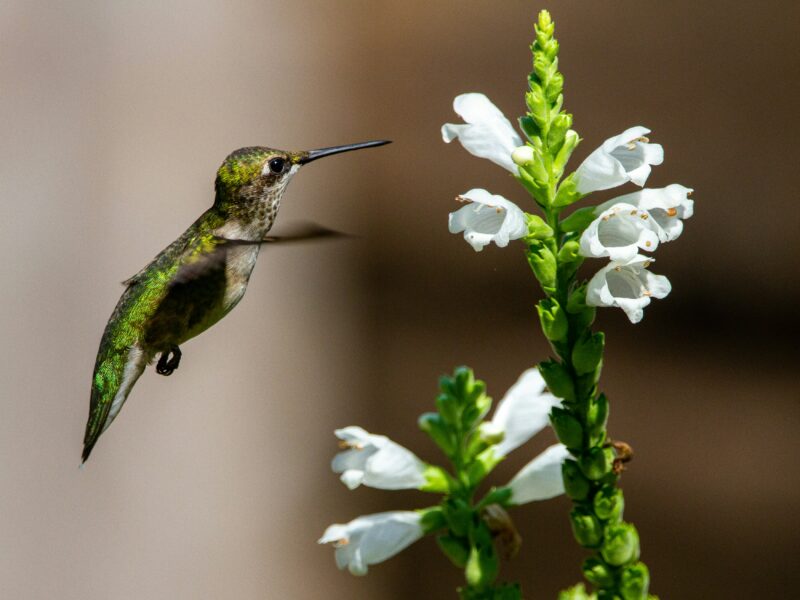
column 583, row 315
column 587, row 354
column 437, row 480
column 537, row 229
column 543, row 264
column 596, row 463
column 433, row 424
column 578, row 221
column 567, row 428
column 571, row 141
column 597, row 572
column 567, row 192
column 577, row 592
column 586, row 527
column 482, row 465
column 448, row 407
column 558, row 130
column 557, row 379
column 482, row 565
column 454, row 548
column 474, row 411
column 569, row 258
column 432, row 519
column 554, row 321
column 621, row 544
column 596, row 418
column 576, row 486
column 635, row 582
column 458, row 515
column 609, row 503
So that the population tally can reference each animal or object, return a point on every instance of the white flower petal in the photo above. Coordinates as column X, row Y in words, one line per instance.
column 541, row 478
column 622, row 158
column 487, row 134
column 376, row 461
column 488, row 218
column 371, row 539
column 667, row 206
column 627, row 285
column 523, row 412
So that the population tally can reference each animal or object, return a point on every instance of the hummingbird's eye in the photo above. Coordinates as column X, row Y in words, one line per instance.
column 276, row 165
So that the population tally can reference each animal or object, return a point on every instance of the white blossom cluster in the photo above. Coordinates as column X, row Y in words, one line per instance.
column 624, row 227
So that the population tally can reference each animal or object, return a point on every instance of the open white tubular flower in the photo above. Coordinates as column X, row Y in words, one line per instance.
column 622, row 158
column 376, row 461
column 619, row 231
column 541, row 478
column 628, row 285
column 487, row 132
column 487, row 218
column 667, row 207
column 522, row 413
column 371, row 539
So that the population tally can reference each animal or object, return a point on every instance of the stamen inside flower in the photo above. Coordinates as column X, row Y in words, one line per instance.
column 345, row 445
column 341, row 542
column 671, row 212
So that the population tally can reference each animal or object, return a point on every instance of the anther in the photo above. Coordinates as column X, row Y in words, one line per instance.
column 671, row 212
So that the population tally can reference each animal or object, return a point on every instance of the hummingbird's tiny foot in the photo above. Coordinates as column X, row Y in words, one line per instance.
column 167, row 365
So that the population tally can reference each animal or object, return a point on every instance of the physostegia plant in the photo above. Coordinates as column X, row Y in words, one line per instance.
column 473, row 532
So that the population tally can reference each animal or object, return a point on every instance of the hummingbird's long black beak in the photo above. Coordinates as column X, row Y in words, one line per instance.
column 319, row 153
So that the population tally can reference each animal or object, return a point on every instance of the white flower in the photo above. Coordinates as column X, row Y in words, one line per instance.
column 522, row 413
column 371, row 539
column 376, row 461
column 622, row 158
column 667, row 206
column 627, row 284
column 619, row 231
column 488, row 218
column 541, row 478
column 487, row 132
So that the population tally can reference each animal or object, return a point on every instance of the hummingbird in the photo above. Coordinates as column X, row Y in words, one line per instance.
column 196, row 280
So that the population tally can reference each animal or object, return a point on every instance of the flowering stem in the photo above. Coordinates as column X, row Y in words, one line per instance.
column 590, row 477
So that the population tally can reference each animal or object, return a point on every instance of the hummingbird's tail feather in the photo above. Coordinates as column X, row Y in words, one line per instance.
column 115, row 372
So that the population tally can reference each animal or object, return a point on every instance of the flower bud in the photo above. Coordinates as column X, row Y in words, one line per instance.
column 583, row 315
column 553, row 320
column 557, row 379
column 482, row 465
column 587, row 354
column 435, row 427
column 609, row 503
column 448, row 407
column 567, row 428
column 621, row 544
column 635, row 582
column 576, row 592
column 576, row 486
column 570, row 258
column 537, row 229
column 458, row 515
column 571, row 141
column 597, row 572
column 558, row 129
column 523, row 155
column 596, row 463
column 596, row 418
column 454, row 548
column 586, row 527
column 543, row 264
column 482, row 565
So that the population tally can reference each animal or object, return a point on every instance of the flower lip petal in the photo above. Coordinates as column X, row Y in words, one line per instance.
column 541, row 478
column 487, row 218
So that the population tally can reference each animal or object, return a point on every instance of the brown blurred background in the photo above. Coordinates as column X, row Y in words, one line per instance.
column 214, row 483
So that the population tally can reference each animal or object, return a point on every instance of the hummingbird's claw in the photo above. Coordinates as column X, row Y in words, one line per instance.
column 167, row 365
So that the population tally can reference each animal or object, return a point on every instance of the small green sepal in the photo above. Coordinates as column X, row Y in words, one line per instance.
column 497, row 495
column 570, row 142
column 432, row 519
column 537, row 229
column 437, row 480
column 482, row 465
column 567, row 192
column 578, row 220
column 543, row 264
column 621, row 544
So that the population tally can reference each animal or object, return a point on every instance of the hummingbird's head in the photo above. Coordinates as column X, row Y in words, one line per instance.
column 252, row 180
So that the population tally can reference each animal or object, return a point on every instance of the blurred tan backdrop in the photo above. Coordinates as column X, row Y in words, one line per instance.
column 214, row 483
